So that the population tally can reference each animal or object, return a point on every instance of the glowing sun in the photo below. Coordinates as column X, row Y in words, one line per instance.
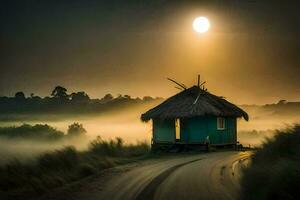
column 201, row 24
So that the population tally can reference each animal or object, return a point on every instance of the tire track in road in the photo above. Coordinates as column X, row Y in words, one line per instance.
column 207, row 179
column 149, row 191
column 227, row 185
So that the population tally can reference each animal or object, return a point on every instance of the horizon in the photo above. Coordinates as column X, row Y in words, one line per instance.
column 130, row 48
column 141, row 97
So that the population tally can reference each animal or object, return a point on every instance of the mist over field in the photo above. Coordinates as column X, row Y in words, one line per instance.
column 265, row 120
column 126, row 124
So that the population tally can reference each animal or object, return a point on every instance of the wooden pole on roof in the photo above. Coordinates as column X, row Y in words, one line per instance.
column 179, row 88
column 198, row 80
column 179, row 84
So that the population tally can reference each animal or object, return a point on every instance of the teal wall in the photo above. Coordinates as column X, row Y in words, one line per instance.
column 200, row 127
column 164, row 131
column 195, row 130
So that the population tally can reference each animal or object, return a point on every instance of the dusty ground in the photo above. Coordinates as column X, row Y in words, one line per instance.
column 189, row 176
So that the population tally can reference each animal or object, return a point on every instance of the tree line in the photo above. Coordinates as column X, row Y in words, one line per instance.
column 61, row 101
column 41, row 132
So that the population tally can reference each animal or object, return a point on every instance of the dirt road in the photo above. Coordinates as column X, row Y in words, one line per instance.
column 203, row 176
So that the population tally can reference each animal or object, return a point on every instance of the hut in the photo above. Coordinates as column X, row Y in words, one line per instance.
column 194, row 116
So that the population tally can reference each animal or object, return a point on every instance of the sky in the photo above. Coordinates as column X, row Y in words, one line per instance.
column 250, row 55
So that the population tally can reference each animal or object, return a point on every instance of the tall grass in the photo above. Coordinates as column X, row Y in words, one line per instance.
column 117, row 148
column 57, row 168
column 275, row 169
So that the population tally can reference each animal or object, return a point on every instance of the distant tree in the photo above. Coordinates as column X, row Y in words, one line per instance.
column 26, row 131
column 60, row 92
column 127, row 96
column 159, row 98
column 36, row 98
column 281, row 102
column 107, row 98
column 20, row 96
column 76, row 129
column 80, row 97
column 47, row 98
column 147, row 98
column 119, row 96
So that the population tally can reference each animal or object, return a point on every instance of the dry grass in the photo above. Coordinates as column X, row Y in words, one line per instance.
column 274, row 172
column 57, row 168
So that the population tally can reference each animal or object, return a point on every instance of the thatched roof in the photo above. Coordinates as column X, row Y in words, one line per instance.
column 194, row 102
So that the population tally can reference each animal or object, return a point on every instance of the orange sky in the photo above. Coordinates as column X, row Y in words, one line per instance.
column 250, row 54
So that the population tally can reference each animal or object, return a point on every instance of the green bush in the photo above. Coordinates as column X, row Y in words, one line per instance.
column 86, row 170
column 274, row 172
column 26, row 131
column 76, row 130
column 41, row 132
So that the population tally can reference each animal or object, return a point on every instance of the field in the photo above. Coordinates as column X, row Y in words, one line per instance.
column 41, row 155
column 60, row 167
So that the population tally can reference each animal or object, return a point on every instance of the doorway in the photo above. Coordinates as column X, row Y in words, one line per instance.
column 177, row 130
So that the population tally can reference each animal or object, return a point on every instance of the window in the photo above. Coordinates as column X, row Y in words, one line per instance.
column 220, row 123
column 177, row 129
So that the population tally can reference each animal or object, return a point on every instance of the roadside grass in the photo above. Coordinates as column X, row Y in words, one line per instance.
column 60, row 167
column 274, row 172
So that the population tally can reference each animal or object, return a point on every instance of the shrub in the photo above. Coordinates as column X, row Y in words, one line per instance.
column 117, row 148
column 53, row 169
column 63, row 159
column 26, row 131
column 274, row 172
column 106, row 148
column 86, row 170
column 138, row 149
column 76, row 129
column 40, row 132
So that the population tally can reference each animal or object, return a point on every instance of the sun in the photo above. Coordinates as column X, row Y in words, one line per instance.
column 201, row 24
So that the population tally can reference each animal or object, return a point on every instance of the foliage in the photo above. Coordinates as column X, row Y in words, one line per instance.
column 64, row 159
column 26, row 131
column 274, row 172
column 76, row 129
column 107, row 98
column 60, row 92
column 53, row 169
column 117, row 148
column 79, row 97
column 41, row 132
column 20, row 96
column 60, row 102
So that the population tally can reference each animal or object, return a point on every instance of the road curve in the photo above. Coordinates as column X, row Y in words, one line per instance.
column 203, row 176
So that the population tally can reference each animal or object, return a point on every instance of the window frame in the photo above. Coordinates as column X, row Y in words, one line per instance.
column 221, row 121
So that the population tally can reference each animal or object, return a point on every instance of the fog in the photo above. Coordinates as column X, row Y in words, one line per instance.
column 126, row 123
column 26, row 150
column 123, row 123
column 264, row 122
